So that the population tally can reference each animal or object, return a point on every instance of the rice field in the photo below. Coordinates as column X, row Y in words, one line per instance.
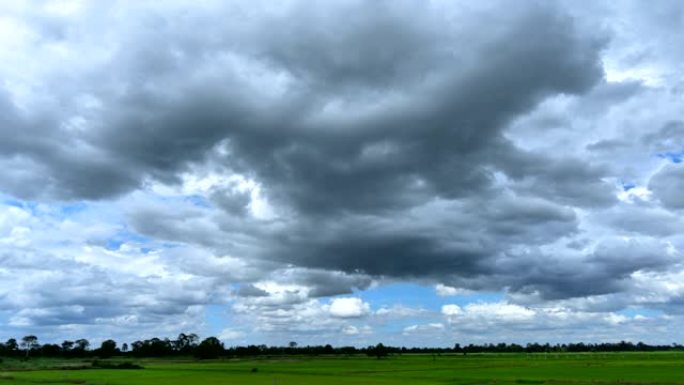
column 500, row 369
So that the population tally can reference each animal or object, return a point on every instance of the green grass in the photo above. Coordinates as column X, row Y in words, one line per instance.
column 574, row 369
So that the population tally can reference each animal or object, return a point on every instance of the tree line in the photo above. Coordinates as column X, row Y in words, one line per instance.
column 211, row 347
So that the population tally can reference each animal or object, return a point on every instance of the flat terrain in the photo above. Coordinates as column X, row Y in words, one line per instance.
column 576, row 369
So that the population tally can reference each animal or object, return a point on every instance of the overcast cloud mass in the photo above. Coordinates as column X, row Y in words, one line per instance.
column 345, row 172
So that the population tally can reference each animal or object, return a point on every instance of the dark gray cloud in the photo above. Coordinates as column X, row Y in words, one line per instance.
column 607, row 269
column 668, row 139
column 429, row 136
column 231, row 201
column 250, row 290
column 395, row 97
column 642, row 219
column 348, row 128
column 565, row 180
column 667, row 186
column 437, row 240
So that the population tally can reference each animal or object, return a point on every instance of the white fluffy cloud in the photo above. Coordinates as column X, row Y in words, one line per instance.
column 484, row 311
column 448, row 291
column 230, row 335
column 424, row 328
column 352, row 330
column 350, row 307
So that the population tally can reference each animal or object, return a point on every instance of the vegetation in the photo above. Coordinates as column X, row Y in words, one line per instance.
column 415, row 369
column 188, row 360
column 190, row 345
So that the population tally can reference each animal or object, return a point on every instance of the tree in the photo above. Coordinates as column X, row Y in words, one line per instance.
column 292, row 344
column 67, row 346
column 29, row 343
column 186, row 342
column 81, row 346
column 11, row 346
column 50, row 350
column 209, row 348
column 137, row 347
column 378, row 351
column 107, row 349
column 124, row 347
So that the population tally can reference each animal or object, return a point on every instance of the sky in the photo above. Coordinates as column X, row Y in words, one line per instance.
column 417, row 173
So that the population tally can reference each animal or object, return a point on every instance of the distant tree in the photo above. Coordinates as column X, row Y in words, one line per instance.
column 210, row 347
column 377, row 351
column 50, row 350
column 186, row 343
column 137, row 347
column 81, row 346
column 158, row 347
column 124, row 347
column 67, row 345
column 292, row 344
column 381, row 351
column 154, row 347
column 11, row 346
column 107, row 349
column 29, row 343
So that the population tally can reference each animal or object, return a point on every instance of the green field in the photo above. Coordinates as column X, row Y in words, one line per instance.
column 609, row 368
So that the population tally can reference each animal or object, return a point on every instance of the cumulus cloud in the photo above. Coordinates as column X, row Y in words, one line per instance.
column 448, row 291
column 485, row 321
column 230, row 335
column 451, row 310
column 423, row 328
column 400, row 311
column 499, row 311
column 291, row 136
column 348, row 307
column 667, row 184
column 352, row 330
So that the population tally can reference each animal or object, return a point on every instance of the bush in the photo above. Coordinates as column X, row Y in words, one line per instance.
column 112, row 365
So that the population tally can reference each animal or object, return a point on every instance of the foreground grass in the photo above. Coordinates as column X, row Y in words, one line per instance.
column 576, row 369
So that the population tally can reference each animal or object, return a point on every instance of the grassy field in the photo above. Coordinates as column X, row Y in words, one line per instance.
column 611, row 368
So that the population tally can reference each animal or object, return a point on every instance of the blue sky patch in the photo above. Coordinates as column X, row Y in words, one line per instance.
column 421, row 296
column 673, row 156
column 641, row 311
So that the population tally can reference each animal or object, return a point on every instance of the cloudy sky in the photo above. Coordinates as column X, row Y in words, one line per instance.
column 345, row 172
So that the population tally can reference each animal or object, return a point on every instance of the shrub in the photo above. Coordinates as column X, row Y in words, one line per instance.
column 113, row 365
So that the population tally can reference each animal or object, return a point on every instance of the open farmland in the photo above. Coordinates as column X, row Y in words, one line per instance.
column 610, row 368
